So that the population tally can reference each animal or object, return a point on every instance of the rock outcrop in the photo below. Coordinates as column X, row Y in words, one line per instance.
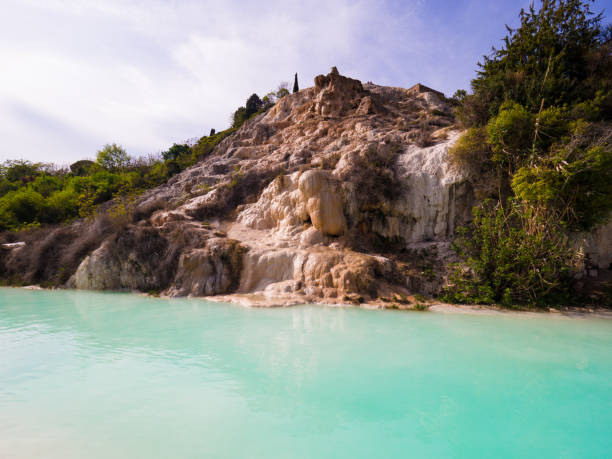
column 340, row 192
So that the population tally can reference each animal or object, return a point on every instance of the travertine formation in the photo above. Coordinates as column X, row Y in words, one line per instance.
column 340, row 192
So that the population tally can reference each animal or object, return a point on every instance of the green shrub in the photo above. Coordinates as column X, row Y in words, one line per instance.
column 239, row 117
column 176, row 151
column 576, row 181
column 6, row 186
column 21, row 171
column 46, row 184
column 553, row 125
column 205, row 145
column 22, row 206
column 83, row 167
column 516, row 254
column 471, row 152
column 510, row 134
column 61, row 206
column 550, row 55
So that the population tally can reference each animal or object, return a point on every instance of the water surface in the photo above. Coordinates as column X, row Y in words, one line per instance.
column 103, row 375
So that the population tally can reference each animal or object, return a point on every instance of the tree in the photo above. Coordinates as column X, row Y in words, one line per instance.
column 253, row 104
column 21, row 170
column 113, row 157
column 282, row 90
column 296, row 88
column 176, row 151
column 540, row 118
column 239, row 117
column 82, row 167
column 549, row 57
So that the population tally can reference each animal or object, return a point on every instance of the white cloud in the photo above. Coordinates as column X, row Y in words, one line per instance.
column 81, row 73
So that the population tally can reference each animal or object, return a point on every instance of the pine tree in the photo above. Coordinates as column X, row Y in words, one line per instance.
column 296, row 88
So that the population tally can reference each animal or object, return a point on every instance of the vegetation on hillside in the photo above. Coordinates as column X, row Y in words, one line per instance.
column 539, row 120
column 34, row 194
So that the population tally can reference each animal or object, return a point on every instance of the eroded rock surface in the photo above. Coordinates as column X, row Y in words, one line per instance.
column 339, row 192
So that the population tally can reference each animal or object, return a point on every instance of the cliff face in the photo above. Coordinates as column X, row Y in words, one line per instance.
column 339, row 192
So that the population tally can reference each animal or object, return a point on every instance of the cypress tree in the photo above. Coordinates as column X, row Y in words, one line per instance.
column 296, row 88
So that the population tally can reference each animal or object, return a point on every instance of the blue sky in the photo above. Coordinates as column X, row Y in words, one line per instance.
column 77, row 74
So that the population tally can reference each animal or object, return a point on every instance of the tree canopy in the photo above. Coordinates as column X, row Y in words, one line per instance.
column 540, row 121
column 113, row 157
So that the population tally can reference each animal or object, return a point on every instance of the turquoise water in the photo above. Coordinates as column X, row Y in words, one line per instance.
column 123, row 376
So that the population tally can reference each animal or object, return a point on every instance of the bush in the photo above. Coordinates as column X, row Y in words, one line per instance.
column 576, row 181
column 176, row 151
column 516, row 254
column 474, row 110
column 83, row 167
column 471, row 152
column 239, row 117
column 22, row 206
column 46, row 184
column 552, row 126
column 510, row 135
column 21, row 171
column 61, row 206
column 205, row 145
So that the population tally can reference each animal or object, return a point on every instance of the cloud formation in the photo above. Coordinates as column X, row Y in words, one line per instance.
column 81, row 73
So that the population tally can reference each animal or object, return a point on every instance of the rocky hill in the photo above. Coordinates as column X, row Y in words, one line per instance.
column 340, row 192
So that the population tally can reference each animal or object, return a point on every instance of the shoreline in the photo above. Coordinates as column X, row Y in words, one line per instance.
column 259, row 300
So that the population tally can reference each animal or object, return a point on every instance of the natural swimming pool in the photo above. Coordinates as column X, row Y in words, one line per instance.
column 102, row 375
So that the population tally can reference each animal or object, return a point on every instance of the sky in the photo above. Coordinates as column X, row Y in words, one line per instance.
column 78, row 74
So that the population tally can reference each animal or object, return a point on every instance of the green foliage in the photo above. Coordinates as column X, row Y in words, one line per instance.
column 282, row 91
column 32, row 194
column 239, row 117
column 113, row 157
column 471, row 151
column 21, row 206
column 21, row 171
column 548, row 57
column 516, row 254
column 205, row 145
column 545, row 98
column 459, row 96
column 576, row 180
column 552, row 126
column 253, row 105
column 83, row 167
column 62, row 206
column 420, row 307
column 176, row 151
column 510, row 134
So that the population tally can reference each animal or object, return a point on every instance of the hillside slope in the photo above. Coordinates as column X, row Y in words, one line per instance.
column 340, row 192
